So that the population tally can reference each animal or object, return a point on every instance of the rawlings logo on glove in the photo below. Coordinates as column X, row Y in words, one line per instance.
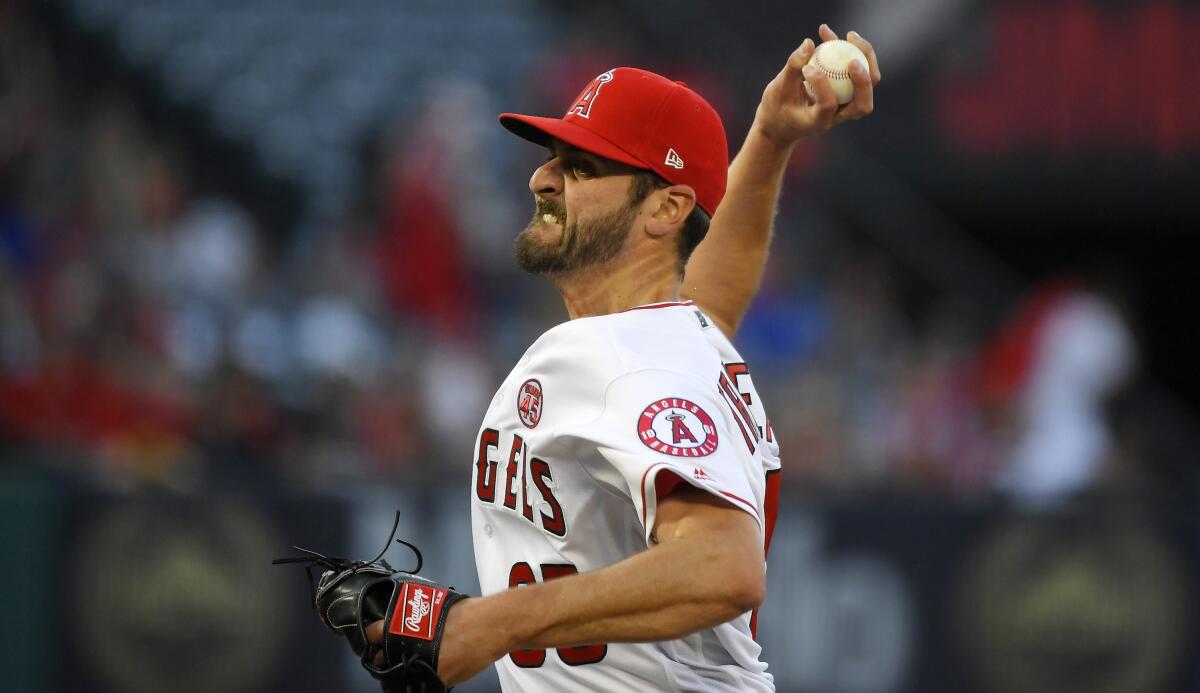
column 350, row 595
column 423, row 602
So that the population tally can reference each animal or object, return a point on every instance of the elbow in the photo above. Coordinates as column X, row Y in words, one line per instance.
column 751, row 594
column 745, row 589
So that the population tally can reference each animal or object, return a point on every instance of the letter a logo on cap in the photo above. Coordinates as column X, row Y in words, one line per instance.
column 674, row 160
column 583, row 104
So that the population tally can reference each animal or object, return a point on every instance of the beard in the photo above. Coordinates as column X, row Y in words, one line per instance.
column 583, row 243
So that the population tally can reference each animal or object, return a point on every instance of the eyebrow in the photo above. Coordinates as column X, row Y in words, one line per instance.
column 567, row 150
column 603, row 166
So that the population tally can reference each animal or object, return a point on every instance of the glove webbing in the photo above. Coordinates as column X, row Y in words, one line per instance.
column 340, row 565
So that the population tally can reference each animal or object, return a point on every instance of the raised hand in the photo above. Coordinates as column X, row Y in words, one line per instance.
column 787, row 114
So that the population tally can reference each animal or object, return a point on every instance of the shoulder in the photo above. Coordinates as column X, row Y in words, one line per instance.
column 572, row 365
column 581, row 360
column 662, row 336
column 667, row 337
column 573, row 350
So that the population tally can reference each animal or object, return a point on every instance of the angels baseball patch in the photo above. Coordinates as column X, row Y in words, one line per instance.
column 676, row 426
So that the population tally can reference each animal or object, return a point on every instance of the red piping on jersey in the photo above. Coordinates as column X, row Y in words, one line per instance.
column 644, row 475
column 772, row 508
column 753, row 509
column 745, row 502
column 652, row 306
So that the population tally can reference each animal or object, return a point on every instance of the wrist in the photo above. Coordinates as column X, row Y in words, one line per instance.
column 762, row 135
column 508, row 619
column 475, row 621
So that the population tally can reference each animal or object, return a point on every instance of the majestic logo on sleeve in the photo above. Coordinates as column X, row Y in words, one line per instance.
column 583, row 102
column 675, row 426
column 529, row 403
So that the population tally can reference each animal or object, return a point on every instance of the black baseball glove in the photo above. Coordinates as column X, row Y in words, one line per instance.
column 350, row 595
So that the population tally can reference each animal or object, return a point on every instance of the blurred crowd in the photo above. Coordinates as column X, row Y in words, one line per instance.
column 154, row 333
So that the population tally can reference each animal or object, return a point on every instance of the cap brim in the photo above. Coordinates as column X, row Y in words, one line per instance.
column 541, row 130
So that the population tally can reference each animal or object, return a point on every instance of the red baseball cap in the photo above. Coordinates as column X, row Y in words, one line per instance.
column 643, row 120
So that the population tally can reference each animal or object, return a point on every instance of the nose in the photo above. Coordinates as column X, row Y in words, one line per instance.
column 547, row 179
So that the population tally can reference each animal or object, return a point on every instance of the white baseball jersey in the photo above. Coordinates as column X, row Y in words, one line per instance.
column 568, row 467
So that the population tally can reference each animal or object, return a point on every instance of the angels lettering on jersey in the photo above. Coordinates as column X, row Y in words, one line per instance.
column 510, row 485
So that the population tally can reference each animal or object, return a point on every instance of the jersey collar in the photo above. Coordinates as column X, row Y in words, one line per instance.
column 664, row 304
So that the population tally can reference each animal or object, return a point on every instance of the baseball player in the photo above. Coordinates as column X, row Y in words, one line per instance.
column 625, row 473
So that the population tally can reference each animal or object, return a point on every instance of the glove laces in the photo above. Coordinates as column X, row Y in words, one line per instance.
column 338, row 565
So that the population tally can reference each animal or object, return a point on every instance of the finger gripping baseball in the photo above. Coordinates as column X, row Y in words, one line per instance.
column 350, row 595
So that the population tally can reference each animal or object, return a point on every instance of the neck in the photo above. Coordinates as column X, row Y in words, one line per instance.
column 628, row 281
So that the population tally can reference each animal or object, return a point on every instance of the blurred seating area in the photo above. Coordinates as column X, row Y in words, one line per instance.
column 303, row 83
column 156, row 332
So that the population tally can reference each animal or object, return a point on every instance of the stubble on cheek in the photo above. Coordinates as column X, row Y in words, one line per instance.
column 584, row 243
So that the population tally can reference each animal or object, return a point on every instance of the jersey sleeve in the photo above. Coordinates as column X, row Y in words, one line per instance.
column 657, row 421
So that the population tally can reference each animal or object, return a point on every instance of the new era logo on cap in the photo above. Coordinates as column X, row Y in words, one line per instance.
column 634, row 116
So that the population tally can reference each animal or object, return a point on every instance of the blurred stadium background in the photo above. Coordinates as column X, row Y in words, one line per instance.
column 256, row 290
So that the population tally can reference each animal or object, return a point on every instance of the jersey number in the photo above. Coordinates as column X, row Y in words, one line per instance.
column 522, row 574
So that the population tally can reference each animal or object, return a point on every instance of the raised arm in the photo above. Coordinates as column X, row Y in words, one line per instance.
column 726, row 269
column 657, row 594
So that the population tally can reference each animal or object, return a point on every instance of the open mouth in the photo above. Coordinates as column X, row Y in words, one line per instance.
column 551, row 213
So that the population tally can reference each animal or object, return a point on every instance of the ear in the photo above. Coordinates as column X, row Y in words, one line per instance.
column 670, row 207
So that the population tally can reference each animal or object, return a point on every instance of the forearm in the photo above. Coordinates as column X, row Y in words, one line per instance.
column 663, row 593
column 726, row 270
column 667, row 592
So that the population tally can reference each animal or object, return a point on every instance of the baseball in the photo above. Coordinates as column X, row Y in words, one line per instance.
column 833, row 58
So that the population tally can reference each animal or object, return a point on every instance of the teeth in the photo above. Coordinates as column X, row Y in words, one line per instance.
column 549, row 218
